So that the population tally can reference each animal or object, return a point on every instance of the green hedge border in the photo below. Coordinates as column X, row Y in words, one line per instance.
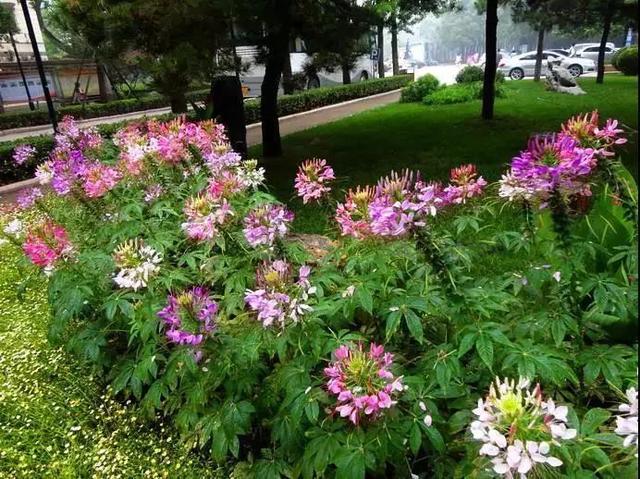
column 287, row 105
column 92, row 110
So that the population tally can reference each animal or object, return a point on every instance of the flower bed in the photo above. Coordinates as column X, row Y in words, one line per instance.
column 287, row 105
column 176, row 276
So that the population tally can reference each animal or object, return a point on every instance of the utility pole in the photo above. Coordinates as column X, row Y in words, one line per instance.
column 38, row 59
column 24, row 80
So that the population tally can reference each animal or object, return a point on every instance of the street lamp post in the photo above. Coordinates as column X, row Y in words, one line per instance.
column 24, row 80
column 38, row 59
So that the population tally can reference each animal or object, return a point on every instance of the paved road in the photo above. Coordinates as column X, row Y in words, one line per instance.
column 446, row 74
column 288, row 124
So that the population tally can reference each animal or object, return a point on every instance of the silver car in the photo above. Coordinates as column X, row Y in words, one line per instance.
column 521, row 66
column 592, row 52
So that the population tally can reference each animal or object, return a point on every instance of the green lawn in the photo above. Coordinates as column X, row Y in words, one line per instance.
column 433, row 139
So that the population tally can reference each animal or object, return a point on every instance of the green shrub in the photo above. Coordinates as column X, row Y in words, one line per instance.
column 470, row 74
column 417, row 90
column 459, row 93
column 626, row 60
column 93, row 110
column 287, row 105
column 499, row 77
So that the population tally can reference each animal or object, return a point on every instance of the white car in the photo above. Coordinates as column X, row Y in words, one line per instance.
column 593, row 51
column 519, row 66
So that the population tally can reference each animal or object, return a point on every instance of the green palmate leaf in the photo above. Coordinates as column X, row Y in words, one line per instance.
column 435, row 438
column 392, row 323
column 351, row 464
column 415, row 438
column 414, row 324
column 593, row 419
column 484, row 346
column 365, row 299
column 466, row 343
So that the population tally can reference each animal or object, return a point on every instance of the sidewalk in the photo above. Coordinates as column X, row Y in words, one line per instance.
column 288, row 124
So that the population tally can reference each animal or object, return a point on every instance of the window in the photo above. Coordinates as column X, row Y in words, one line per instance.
column 21, row 83
column 591, row 49
column 3, row 85
column 528, row 57
column 30, row 83
column 13, row 84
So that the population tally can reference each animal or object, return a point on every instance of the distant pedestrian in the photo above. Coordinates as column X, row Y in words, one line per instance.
column 458, row 59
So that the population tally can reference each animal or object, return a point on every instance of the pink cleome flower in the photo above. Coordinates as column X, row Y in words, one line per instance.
column 551, row 163
column 362, row 381
column 265, row 223
column 23, row 153
column 47, row 243
column 28, row 198
column 586, row 131
column 277, row 298
column 353, row 215
column 465, row 184
column 312, row 180
column 99, row 179
column 205, row 214
column 189, row 317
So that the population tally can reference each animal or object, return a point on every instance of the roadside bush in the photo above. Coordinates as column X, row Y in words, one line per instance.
column 460, row 93
column 376, row 355
column 417, row 90
column 625, row 60
column 287, row 105
column 92, row 110
column 470, row 74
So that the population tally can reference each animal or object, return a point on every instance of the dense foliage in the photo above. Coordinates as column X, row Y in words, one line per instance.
column 626, row 60
column 417, row 90
column 459, row 93
column 470, row 74
column 375, row 353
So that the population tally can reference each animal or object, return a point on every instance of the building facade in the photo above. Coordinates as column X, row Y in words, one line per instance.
column 23, row 44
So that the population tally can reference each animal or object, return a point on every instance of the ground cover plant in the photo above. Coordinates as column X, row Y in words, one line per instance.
column 445, row 329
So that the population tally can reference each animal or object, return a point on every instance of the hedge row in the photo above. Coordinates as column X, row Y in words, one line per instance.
column 92, row 110
column 287, row 105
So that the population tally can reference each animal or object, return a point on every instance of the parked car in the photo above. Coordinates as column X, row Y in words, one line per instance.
column 561, row 51
column 519, row 66
column 593, row 51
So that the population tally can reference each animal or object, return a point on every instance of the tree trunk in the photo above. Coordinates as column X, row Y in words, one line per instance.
column 178, row 102
column 603, row 41
column 228, row 109
column 346, row 72
column 380, row 49
column 278, row 51
column 103, row 83
column 489, row 89
column 538, row 68
column 287, row 76
column 394, row 45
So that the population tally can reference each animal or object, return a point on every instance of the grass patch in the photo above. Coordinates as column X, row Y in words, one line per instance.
column 433, row 139
column 55, row 419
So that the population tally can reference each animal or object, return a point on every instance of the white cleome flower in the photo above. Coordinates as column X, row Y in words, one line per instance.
column 137, row 263
column 14, row 228
column 627, row 422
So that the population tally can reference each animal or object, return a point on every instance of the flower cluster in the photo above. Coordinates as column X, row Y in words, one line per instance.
column 277, row 297
column 46, row 244
column 402, row 202
column 189, row 317
column 627, row 421
column 265, row 223
column 362, row 381
column 27, row 198
column 14, row 228
column 518, row 428
column 585, row 129
column 137, row 263
column 312, row 180
column 552, row 164
column 23, row 153
column 205, row 214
